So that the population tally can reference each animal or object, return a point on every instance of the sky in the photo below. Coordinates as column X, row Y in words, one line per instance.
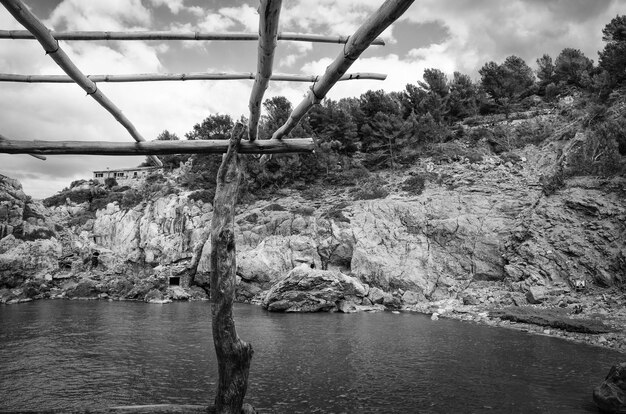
column 451, row 35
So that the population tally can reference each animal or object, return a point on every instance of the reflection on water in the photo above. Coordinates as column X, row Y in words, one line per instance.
column 81, row 355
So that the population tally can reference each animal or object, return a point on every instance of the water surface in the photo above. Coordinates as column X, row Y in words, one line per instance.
column 94, row 354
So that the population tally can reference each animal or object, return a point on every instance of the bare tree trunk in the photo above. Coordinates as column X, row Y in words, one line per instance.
column 233, row 355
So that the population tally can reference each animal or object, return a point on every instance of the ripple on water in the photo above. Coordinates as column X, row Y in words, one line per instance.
column 81, row 355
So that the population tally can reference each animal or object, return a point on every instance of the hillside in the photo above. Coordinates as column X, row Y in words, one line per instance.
column 506, row 216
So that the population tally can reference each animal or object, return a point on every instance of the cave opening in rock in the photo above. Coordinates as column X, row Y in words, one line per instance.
column 175, row 281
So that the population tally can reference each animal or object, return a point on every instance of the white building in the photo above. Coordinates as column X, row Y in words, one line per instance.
column 125, row 174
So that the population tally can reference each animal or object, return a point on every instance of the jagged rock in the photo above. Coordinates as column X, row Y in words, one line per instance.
column 345, row 306
column 414, row 246
column 245, row 291
column 163, row 231
column 377, row 296
column 177, row 293
column 553, row 318
column 86, row 288
column 274, row 257
column 536, row 294
column 610, row 396
column 311, row 290
column 583, row 223
column 154, row 296
column 470, row 299
column 20, row 260
column 392, row 302
column 412, row 298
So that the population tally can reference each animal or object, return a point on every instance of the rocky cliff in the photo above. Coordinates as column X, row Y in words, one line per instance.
column 474, row 224
column 29, row 245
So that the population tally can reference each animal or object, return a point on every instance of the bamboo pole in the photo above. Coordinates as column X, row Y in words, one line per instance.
column 233, row 354
column 52, row 48
column 294, row 145
column 39, row 157
column 269, row 13
column 193, row 76
column 163, row 35
column 389, row 12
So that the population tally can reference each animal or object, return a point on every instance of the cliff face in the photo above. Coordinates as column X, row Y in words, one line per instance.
column 474, row 222
column 29, row 247
column 577, row 235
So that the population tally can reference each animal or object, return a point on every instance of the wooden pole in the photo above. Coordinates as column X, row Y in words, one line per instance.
column 39, row 157
column 294, row 145
column 233, row 355
column 161, row 35
column 269, row 13
column 359, row 41
column 52, row 48
column 193, row 76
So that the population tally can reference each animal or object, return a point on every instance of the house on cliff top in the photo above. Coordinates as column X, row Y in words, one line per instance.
column 125, row 175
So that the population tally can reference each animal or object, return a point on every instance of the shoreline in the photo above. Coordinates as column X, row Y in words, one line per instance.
column 614, row 340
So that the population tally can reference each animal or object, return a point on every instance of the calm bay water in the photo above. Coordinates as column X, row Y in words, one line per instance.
column 86, row 355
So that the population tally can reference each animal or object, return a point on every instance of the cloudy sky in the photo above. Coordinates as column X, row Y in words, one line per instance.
column 452, row 35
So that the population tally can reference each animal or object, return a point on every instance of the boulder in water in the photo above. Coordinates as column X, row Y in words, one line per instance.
column 610, row 396
column 311, row 290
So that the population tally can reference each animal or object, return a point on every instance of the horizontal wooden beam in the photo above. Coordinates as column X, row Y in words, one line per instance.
column 284, row 146
column 163, row 35
column 39, row 157
column 193, row 76
column 389, row 12
column 26, row 18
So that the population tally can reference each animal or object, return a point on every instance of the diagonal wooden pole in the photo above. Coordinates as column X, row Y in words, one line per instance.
column 389, row 12
column 52, row 48
column 269, row 13
column 233, row 355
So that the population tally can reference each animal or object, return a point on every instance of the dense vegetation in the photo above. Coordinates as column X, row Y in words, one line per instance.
column 446, row 118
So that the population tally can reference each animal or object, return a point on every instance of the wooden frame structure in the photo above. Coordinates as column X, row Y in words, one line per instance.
column 233, row 355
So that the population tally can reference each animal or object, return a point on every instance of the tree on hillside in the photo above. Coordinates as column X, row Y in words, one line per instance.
column 572, row 67
column 212, row 127
column 613, row 56
column 411, row 100
column 545, row 71
column 463, row 97
column 331, row 123
column 277, row 111
column 507, row 82
column 387, row 135
column 169, row 160
column 435, row 81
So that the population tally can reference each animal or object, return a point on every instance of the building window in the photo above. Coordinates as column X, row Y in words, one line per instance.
column 119, row 174
column 135, row 174
column 99, row 175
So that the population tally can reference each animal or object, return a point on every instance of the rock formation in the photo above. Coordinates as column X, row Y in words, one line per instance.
column 482, row 222
column 610, row 396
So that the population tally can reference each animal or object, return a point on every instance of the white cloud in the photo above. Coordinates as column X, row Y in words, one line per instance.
column 288, row 60
column 214, row 22
column 484, row 30
column 100, row 15
column 175, row 6
column 245, row 14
